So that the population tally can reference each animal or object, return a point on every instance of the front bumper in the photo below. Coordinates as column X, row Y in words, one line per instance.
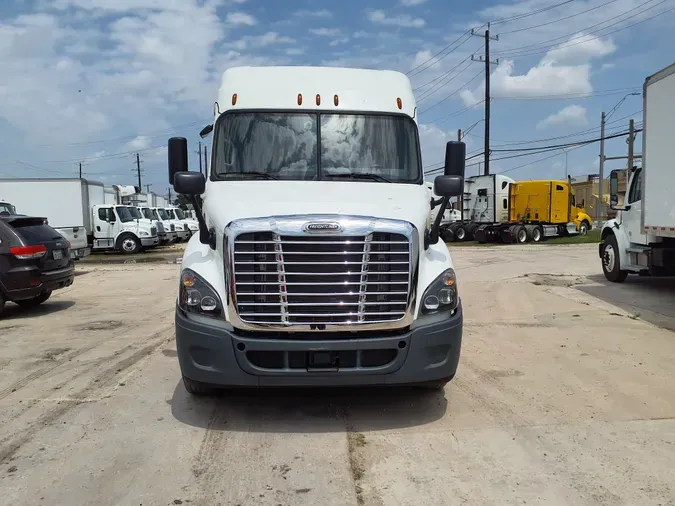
column 216, row 354
column 149, row 241
column 183, row 235
column 31, row 282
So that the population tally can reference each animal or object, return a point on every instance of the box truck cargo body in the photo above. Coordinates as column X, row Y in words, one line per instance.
column 641, row 239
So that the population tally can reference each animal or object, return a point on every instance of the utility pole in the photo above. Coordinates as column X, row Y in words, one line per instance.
column 206, row 163
column 601, row 185
column 169, row 195
column 199, row 153
column 486, row 59
column 80, row 170
column 459, row 135
column 631, row 145
column 138, row 170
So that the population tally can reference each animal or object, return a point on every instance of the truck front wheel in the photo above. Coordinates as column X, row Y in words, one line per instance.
column 129, row 244
column 611, row 265
column 583, row 228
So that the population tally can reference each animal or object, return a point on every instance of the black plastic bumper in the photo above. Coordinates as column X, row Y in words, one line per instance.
column 31, row 282
column 215, row 354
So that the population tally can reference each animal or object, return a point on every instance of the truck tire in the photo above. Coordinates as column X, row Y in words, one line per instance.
column 460, row 233
column 537, row 234
column 611, row 262
column 35, row 301
column 447, row 235
column 128, row 244
column 519, row 234
column 583, row 227
column 471, row 231
column 197, row 387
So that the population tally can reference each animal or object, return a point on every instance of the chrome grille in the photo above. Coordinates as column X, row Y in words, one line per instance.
column 153, row 231
column 321, row 280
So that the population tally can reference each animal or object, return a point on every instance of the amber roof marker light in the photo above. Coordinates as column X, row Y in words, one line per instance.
column 299, row 98
column 234, row 99
column 318, row 99
column 399, row 103
column 336, row 100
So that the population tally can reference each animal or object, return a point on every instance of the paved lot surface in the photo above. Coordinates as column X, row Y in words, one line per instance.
column 561, row 398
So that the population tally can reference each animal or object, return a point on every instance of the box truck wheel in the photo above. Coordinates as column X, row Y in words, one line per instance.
column 611, row 265
column 196, row 387
column 583, row 228
column 128, row 244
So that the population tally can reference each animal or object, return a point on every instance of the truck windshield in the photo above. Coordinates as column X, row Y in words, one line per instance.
column 124, row 214
column 276, row 145
column 135, row 212
column 170, row 213
column 147, row 213
column 163, row 214
column 7, row 209
column 179, row 213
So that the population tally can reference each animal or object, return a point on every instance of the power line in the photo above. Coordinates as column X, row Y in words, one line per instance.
column 413, row 72
column 568, row 96
column 453, row 93
column 557, row 20
column 543, row 47
column 455, row 113
column 423, row 96
column 531, row 13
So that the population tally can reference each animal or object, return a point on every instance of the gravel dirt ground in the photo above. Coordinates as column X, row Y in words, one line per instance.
column 561, row 397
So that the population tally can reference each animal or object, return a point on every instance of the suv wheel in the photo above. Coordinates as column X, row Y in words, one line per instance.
column 35, row 301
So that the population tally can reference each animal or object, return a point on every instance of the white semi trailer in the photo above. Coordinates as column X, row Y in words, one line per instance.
column 641, row 239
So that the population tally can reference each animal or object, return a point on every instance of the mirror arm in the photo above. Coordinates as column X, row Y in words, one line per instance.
column 434, row 203
column 206, row 236
column 435, row 228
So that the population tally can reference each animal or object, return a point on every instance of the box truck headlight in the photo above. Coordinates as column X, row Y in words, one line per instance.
column 197, row 296
column 144, row 234
column 442, row 294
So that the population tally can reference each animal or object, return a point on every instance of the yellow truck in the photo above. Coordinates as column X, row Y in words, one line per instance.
column 536, row 210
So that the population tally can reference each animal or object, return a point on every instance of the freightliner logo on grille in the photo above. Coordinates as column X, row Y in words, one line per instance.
column 322, row 227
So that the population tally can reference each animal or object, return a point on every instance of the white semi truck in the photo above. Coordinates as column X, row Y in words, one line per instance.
column 641, row 239
column 314, row 264
column 77, row 209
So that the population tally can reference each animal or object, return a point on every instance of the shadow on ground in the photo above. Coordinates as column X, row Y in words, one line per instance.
column 309, row 410
column 14, row 312
column 651, row 299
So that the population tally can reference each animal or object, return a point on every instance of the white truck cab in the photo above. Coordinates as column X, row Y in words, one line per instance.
column 169, row 229
column 114, row 227
column 641, row 239
column 179, row 228
column 189, row 223
column 316, row 263
column 182, row 228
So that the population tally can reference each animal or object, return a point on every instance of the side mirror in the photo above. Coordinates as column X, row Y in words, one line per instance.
column 206, row 131
column 449, row 186
column 178, row 157
column 613, row 189
column 455, row 159
column 189, row 183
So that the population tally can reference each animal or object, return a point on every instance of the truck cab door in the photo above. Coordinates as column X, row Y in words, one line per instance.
column 632, row 217
column 104, row 222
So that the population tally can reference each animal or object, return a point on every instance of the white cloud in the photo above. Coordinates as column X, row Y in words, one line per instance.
column 378, row 16
column 140, row 142
column 432, row 141
column 579, row 49
column 263, row 40
column 572, row 115
column 240, row 19
column 321, row 13
column 410, row 3
column 337, row 42
column 325, row 32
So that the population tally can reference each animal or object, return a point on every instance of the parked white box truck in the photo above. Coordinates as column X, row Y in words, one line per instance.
column 315, row 263
column 77, row 209
column 641, row 239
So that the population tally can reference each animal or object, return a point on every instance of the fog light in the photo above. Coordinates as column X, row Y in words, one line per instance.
column 208, row 304
column 193, row 298
column 446, row 296
column 431, row 302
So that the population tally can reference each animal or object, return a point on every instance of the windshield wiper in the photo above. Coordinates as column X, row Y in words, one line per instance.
column 264, row 175
column 363, row 175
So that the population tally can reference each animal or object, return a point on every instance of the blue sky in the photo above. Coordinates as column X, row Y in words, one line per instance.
column 95, row 81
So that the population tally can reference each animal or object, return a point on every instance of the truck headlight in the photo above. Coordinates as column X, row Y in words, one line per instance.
column 144, row 234
column 197, row 296
column 442, row 294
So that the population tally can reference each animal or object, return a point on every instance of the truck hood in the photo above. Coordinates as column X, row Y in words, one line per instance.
column 225, row 202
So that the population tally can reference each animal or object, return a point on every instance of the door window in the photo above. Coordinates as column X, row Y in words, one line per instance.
column 636, row 188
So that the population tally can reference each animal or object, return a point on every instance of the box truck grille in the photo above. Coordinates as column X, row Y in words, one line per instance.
column 324, row 280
